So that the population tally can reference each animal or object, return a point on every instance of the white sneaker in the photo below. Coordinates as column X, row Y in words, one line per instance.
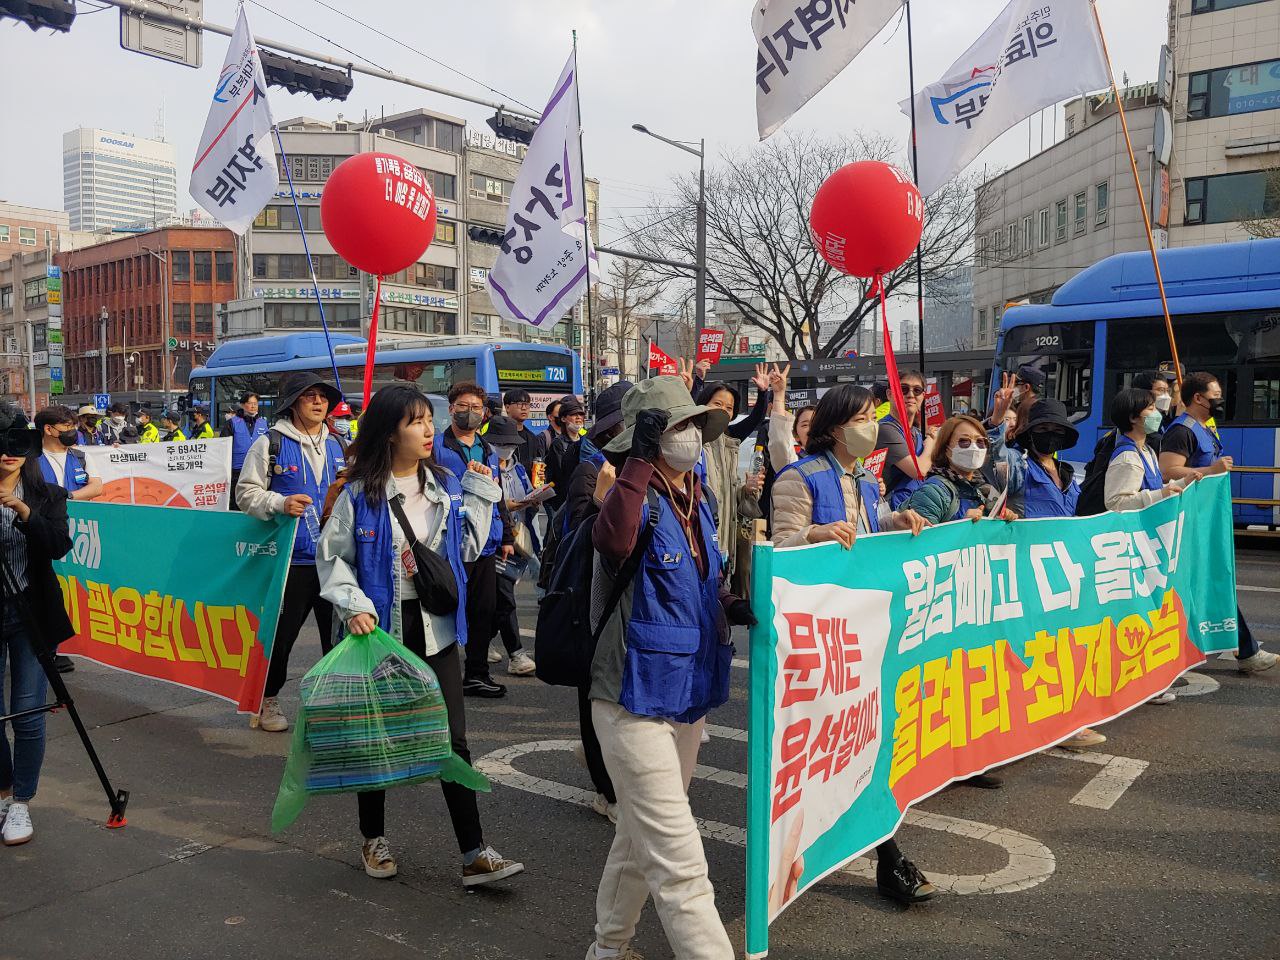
column 601, row 805
column 378, row 861
column 17, row 825
column 270, row 718
column 1085, row 738
column 626, row 953
column 521, row 665
column 706, row 737
column 1161, row 699
column 1262, row 660
column 495, row 655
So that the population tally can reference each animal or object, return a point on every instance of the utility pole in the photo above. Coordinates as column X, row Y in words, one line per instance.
column 31, row 364
column 104, row 317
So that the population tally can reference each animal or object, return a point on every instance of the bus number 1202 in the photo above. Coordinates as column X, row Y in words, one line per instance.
column 1054, row 341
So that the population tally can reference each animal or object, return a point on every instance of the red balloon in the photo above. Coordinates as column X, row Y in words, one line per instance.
column 867, row 218
column 379, row 212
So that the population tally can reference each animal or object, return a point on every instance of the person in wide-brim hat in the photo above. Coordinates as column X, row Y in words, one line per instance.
column 295, row 384
column 669, row 394
column 503, row 432
column 1047, row 414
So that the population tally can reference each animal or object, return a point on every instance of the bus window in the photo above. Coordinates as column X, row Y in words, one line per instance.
column 231, row 387
column 1064, row 352
column 534, row 370
column 1266, row 393
column 429, row 376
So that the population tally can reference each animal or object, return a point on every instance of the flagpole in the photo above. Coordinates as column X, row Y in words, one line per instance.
column 1142, row 202
column 315, row 287
column 915, row 175
column 586, row 226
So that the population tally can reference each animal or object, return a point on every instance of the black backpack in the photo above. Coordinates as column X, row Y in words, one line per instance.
column 563, row 639
column 1093, row 491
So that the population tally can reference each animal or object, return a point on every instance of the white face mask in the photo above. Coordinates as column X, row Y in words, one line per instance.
column 967, row 458
column 118, row 421
column 342, row 425
column 1163, row 402
column 504, row 453
column 682, row 448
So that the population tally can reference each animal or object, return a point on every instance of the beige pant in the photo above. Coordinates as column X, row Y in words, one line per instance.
column 657, row 848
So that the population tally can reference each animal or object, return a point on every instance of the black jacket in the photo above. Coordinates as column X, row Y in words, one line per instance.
column 48, row 540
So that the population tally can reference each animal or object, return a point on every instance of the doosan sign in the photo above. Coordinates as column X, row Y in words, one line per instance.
column 116, row 143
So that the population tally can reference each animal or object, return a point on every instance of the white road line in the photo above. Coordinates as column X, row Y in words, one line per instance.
column 1109, row 784
column 1030, row 862
column 1197, row 685
column 1244, row 586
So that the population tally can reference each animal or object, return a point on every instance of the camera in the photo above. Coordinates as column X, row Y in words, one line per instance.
column 19, row 442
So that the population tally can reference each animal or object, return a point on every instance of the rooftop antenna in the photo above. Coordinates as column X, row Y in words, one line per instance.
column 160, row 122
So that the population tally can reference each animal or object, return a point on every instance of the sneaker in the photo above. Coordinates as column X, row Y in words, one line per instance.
column 1085, row 738
column 1161, row 699
column 17, row 825
column 984, row 781
column 489, row 867
column 903, row 881
column 706, row 737
column 1257, row 663
column 64, row 664
column 521, row 665
column 270, row 718
column 601, row 805
column 483, row 687
column 626, row 953
column 378, row 862
column 495, row 655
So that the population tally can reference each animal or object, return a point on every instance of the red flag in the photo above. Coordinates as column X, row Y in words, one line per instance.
column 895, row 385
column 658, row 360
column 710, row 345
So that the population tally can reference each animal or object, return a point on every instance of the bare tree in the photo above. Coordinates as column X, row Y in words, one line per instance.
column 1267, row 224
column 760, row 257
column 630, row 291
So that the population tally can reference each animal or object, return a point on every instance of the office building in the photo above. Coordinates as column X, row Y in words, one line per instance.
column 113, row 179
column 948, row 312
column 30, row 293
column 26, row 229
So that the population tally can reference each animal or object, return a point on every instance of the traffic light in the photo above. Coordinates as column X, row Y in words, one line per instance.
column 513, row 128
column 490, row 235
column 54, row 14
column 299, row 76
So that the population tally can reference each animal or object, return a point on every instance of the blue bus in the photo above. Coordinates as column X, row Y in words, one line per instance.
column 256, row 366
column 1105, row 325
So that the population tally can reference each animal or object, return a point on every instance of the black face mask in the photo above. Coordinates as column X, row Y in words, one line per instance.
column 68, row 438
column 1218, row 408
column 468, row 420
column 1048, row 443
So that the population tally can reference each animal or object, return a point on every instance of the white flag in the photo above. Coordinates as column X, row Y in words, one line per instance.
column 235, row 171
column 545, row 256
column 801, row 47
column 1037, row 53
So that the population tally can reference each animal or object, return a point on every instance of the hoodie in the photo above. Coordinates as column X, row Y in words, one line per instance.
column 253, row 493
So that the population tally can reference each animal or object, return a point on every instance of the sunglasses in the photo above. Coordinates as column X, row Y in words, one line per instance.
column 964, row 443
column 912, row 391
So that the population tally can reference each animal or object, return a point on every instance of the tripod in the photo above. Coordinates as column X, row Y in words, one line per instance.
column 9, row 593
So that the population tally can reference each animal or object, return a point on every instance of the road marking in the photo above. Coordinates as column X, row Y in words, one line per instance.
column 1109, row 784
column 1245, row 586
column 1197, row 685
column 192, row 848
column 1030, row 862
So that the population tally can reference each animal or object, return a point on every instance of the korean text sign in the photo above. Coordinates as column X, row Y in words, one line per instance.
column 187, row 596
column 189, row 473
column 883, row 673
column 710, row 345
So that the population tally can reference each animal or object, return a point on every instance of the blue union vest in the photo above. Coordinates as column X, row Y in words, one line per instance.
column 242, row 438
column 1208, row 446
column 822, row 474
column 1152, row 479
column 292, row 474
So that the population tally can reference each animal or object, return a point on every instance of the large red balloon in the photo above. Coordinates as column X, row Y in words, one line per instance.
column 867, row 218
column 379, row 212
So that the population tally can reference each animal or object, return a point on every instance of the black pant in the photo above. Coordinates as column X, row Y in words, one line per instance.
column 301, row 597
column 235, row 478
column 461, row 800
column 600, row 778
column 482, row 600
column 505, row 622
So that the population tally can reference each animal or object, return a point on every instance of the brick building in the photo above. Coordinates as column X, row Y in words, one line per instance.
column 29, row 229
column 165, row 283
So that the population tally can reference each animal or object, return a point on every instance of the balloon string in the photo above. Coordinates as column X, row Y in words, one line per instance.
column 372, row 349
column 895, row 382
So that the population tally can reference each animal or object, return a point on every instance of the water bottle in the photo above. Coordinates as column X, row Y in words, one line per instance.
column 757, row 460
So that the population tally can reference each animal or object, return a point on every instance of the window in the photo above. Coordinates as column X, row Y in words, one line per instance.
column 1232, row 196
column 6, row 298
column 481, row 325
column 431, row 275
column 446, row 232
column 1011, row 241
column 345, row 316
column 224, row 262
column 204, row 317
column 1208, row 6
column 1044, row 228
column 1026, row 235
column 982, row 250
column 982, row 324
column 180, row 266
column 293, row 266
column 1082, row 212
column 1229, row 91
column 48, row 238
column 283, row 217
column 27, row 236
column 490, row 188
column 1101, row 203
column 268, row 219
column 203, row 266
column 444, row 185
column 1060, row 221
column 33, row 292
column 181, row 319
column 4, row 233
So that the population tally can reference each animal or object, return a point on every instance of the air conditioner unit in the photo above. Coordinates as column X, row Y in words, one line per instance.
column 389, row 134
column 341, row 126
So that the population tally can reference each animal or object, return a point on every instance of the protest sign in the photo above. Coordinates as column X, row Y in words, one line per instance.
column 186, row 596
column 190, row 473
column 710, row 345
column 881, row 674
column 662, row 363
column 934, row 415
column 874, row 462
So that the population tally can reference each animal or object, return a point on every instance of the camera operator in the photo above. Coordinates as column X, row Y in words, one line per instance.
column 33, row 533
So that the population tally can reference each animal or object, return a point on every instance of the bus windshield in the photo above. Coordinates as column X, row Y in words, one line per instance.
column 1063, row 352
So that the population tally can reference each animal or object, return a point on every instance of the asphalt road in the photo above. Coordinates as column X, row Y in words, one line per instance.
column 1168, row 850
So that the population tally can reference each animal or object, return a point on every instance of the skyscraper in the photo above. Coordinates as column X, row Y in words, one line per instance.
column 114, row 180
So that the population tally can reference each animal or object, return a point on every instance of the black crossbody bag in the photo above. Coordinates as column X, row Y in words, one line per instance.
column 433, row 579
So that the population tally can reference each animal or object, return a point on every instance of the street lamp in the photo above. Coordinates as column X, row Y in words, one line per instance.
column 700, row 256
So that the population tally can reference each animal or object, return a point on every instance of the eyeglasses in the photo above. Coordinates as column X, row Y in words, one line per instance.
column 912, row 391
column 964, row 443
column 472, row 407
column 518, row 403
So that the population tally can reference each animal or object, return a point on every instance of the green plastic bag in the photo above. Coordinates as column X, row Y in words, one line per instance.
column 372, row 717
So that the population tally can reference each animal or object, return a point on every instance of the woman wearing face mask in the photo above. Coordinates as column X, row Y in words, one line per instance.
column 340, row 422
column 360, row 559
column 1050, row 489
column 1133, row 479
column 116, row 429
column 955, row 488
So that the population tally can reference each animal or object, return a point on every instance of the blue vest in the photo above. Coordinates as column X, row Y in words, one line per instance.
column 822, row 474
column 1151, row 476
column 377, row 565
column 675, row 665
column 75, row 476
column 965, row 503
column 242, row 438
column 452, row 461
column 901, row 491
column 1209, row 447
column 1044, row 498
column 292, row 474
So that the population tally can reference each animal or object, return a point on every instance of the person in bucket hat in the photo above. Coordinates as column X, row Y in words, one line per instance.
column 662, row 662
column 288, row 471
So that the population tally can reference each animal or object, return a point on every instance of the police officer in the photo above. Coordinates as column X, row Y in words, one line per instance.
column 170, row 420
column 201, row 428
column 288, row 471
column 243, row 428
column 148, row 432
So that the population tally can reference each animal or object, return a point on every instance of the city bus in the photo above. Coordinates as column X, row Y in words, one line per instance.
column 256, row 366
column 1106, row 324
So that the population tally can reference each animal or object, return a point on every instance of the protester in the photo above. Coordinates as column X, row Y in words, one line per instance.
column 565, row 450
column 61, row 465
column 288, row 471
column 34, row 532
column 170, row 423
column 244, row 427
column 1164, row 401
column 880, row 391
column 828, row 497
column 542, row 442
column 340, row 422
column 734, row 496
column 148, row 432
column 460, row 445
column 368, row 583
column 516, row 403
column 1050, row 489
column 1133, row 479
column 87, row 419
column 955, row 488
column 662, row 662
column 1190, row 448
column 201, row 428
column 504, row 437
column 787, row 431
column 116, row 429
column 900, row 476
